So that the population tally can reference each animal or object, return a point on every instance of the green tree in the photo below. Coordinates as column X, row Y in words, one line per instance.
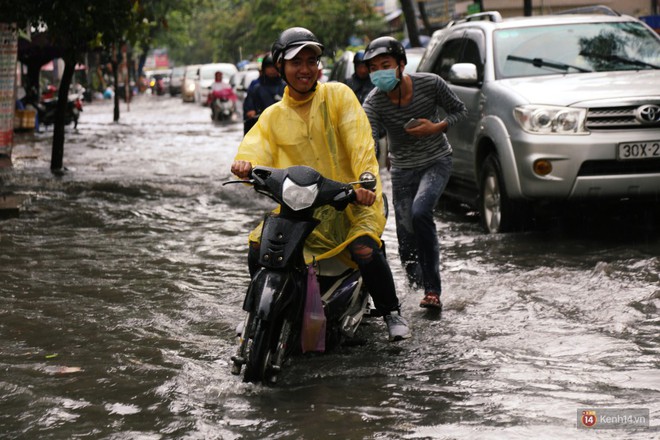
column 77, row 26
column 231, row 30
column 73, row 26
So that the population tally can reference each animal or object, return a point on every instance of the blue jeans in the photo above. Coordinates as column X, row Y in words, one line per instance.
column 415, row 193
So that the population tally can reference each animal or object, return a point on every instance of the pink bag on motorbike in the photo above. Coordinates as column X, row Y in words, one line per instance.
column 314, row 321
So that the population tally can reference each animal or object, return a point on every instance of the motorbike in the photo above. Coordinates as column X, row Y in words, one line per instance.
column 47, row 108
column 222, row 103
column 279, row 321
column 157, row 85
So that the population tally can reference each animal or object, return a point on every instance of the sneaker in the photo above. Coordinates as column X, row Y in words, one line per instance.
column 397, row 326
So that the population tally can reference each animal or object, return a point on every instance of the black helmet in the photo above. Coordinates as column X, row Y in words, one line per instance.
column 267, row 61
column 385, row 46
column 296, row 37
column 358, row 58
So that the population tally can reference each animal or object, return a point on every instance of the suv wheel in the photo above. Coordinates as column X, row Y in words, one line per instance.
column 498, row 212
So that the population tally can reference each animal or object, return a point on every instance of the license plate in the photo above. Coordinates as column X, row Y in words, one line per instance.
column 638, row 150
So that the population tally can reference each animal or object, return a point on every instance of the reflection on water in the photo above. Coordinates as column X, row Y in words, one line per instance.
column 122, row 282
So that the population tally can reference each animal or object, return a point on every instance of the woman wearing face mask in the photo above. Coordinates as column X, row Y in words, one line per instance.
column 420, row 156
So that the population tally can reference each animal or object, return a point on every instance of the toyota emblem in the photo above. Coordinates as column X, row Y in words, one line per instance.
column 648, row 114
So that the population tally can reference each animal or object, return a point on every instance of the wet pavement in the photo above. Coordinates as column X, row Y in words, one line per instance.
column 121, row 283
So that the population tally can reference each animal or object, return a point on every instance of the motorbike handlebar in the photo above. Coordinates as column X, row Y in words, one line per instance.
column 341, row 194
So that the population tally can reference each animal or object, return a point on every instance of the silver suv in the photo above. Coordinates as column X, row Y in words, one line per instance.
column 561, row 108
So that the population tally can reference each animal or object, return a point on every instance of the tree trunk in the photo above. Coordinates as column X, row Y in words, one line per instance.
column 115, row 76
column 411, row 22
column 421, row 5
column 57, row 155
column 32, row 83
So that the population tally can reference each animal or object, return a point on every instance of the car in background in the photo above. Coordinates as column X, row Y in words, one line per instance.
column 176, row 80
column 562, row 108
column 206, row 78
column 241, row 80
column 344, row 68
column 189, row 82
column 413, row 56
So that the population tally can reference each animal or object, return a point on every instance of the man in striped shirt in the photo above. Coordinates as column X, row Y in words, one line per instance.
column 420, row 156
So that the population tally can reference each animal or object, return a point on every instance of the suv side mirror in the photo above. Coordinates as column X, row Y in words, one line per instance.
column 464, row 74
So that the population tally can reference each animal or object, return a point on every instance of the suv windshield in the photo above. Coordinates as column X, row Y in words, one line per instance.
column 595, row 47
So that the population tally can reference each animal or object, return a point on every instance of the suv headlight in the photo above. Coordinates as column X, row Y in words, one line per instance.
column 543, row 119
column 298, row 197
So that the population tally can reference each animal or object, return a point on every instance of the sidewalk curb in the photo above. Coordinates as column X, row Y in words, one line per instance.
column 5, row 161
column 10, row 204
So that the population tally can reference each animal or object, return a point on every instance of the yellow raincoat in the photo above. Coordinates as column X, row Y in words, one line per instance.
column 333, row 137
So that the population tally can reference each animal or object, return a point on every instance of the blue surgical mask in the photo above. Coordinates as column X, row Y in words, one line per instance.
column 385, row 80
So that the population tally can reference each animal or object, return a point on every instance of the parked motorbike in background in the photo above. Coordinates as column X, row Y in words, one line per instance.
column 46, row 106
column 292, row 307
column 222, row 103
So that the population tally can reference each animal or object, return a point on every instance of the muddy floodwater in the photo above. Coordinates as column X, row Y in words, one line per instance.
column 121, row 285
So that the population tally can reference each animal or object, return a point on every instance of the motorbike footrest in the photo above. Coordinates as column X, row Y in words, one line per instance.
column 238, row 360
column 373, row 313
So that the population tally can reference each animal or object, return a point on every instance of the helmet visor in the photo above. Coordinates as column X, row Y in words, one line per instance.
column 373, row 53
column 293, row 51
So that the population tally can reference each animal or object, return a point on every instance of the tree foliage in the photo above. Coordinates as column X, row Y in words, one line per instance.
column 75, row 27
column 194, row 31
column 231, row 30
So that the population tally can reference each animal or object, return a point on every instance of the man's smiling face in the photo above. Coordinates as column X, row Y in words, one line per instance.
column 301, row 72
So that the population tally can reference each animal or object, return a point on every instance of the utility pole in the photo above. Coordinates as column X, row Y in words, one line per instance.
column 411, row 22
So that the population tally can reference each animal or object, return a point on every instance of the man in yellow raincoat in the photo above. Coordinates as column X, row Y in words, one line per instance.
column 323, row 126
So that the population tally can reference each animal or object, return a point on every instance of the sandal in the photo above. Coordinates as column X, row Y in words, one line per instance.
column 431, row 301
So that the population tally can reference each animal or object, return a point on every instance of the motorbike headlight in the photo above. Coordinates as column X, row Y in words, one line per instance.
column 543, row 119
column 298, row 197
column 190, row 87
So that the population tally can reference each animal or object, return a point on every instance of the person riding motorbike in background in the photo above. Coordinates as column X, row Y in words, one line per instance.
column 322, row 125
column 220, row 89
column 263, row 92
column 360, row 82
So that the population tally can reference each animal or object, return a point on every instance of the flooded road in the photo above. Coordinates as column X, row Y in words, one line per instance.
column 122, row 281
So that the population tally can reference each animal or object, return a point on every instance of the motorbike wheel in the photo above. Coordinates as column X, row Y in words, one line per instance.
column 258, row 353
column 216, row 115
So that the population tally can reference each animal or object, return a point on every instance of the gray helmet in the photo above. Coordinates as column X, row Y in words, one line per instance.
column 296, row 37
column 385, row 46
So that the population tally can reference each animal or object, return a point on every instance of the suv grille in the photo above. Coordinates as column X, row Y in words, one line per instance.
column 613, row 167
column 609, row 118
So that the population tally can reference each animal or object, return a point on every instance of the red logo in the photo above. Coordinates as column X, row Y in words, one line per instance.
column 588, row 418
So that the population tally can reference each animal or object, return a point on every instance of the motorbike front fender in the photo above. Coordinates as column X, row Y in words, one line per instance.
column 267, row 289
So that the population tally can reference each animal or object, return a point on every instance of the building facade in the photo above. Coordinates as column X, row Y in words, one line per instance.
column 440, row 12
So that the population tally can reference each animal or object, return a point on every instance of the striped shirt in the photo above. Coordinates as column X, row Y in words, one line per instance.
column 431, row 100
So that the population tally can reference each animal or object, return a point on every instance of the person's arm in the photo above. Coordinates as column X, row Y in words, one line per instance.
column 454, row 108
column 357, row 136
column 241, row 168
column 254, row 149
column 249, row 105
column 377, row 128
